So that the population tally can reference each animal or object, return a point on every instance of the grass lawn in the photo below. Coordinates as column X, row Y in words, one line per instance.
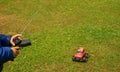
column 57, row 28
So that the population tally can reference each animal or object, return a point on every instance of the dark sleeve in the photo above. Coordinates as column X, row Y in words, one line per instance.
column 5, row 40
column 6, row 54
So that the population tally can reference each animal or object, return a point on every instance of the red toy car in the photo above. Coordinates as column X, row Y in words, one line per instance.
column 81, row 55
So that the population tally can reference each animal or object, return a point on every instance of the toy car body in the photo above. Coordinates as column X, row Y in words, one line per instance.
column 81, row 55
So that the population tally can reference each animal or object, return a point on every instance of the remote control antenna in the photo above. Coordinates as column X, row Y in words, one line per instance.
column 29, row 22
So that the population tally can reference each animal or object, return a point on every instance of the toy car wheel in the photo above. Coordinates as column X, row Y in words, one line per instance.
column 87, row 55
column 73, row 58
column 84, row 59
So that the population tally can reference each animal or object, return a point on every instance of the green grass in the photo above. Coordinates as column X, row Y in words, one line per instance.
column 57, row 30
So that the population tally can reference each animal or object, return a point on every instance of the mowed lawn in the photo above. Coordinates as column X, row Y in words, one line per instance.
column 58, row 28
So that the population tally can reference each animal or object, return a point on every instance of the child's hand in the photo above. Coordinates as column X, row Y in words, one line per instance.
column 15, row 51
column 13, row 37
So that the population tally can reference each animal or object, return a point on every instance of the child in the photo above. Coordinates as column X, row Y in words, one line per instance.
column 8, row 50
